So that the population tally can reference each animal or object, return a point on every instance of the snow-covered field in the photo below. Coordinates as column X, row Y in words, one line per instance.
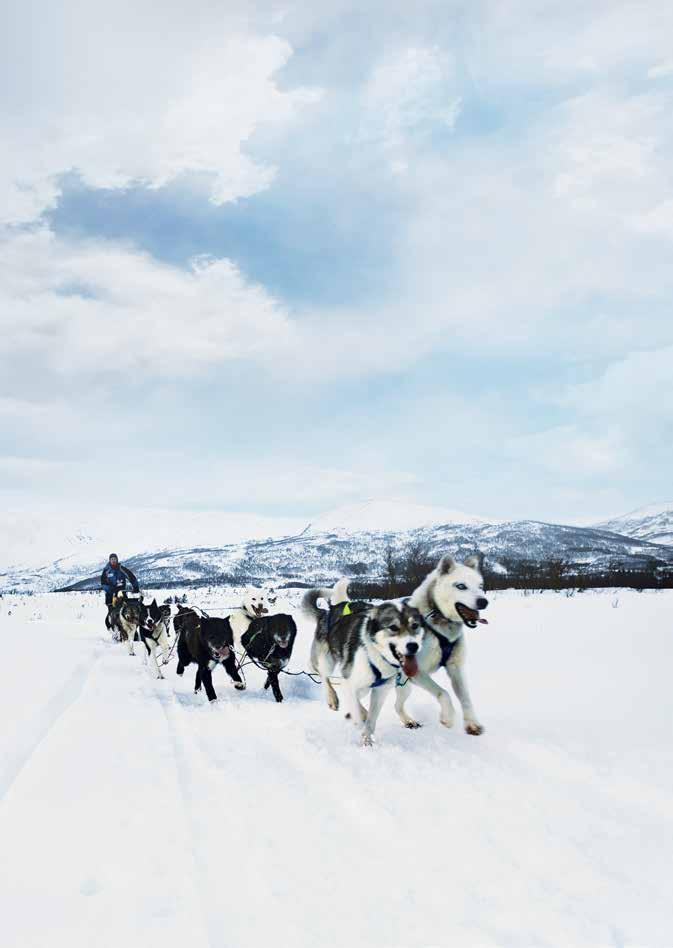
column 134, row 814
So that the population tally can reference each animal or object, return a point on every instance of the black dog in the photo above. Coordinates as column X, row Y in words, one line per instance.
column 207, row 642
column 269, row 642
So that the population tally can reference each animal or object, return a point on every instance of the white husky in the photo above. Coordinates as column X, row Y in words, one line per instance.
column 253, row 607
column 450, row 598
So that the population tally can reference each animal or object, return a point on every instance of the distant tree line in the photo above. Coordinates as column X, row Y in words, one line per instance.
column 404, row 570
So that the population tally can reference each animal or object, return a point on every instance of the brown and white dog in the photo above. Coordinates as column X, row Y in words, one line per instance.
column 375, row 647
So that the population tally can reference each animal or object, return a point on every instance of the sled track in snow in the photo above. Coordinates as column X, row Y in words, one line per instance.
column 33, row 733
column 187, row 762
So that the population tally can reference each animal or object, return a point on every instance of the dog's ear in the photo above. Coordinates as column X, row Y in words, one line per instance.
column 373, row 624
column 446, row 564
column 476, row 562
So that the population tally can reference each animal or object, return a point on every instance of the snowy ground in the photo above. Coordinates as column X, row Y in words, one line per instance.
column 134, row 814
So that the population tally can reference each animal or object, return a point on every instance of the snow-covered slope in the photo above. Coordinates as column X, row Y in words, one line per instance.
column 43, row 550
column 135, row 814
column 653, row 522
column 38, row 537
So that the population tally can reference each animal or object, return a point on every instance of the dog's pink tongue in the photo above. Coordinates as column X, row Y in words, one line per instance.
column 409, row 665
column 483, row 621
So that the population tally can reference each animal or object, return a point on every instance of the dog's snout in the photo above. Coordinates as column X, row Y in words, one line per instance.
column 482, row 603
column 412, row 648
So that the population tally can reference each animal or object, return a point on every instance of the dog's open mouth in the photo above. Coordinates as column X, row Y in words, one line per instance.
column 259, row 610
column 221, row 651
column 469, row 616
column 282, row 642
column 408, row 663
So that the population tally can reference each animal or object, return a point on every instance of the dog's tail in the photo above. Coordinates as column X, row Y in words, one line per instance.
column 339, row 593
column 334, row 596
column 309, row 602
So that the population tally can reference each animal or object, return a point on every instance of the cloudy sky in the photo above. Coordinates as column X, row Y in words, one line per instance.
column 278, row 257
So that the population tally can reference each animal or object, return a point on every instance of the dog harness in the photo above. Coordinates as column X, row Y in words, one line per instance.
column 445, row 644
column 342, row 609
column 380, row 680
column 146, row 633
column 260, row 662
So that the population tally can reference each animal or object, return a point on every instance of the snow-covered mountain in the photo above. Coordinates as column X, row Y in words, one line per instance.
column 238, row 549
column 384, row 516
column 36, row 537
column 653, row 522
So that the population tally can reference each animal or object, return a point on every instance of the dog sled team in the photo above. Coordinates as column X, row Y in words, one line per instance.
column 375, row 649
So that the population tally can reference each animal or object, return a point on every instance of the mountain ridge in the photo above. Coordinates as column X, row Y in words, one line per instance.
column 351, row 540
column 653, row 522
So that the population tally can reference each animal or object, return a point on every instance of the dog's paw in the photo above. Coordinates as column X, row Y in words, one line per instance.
column 474, row 728
column 239, row 685
column 212, row 700
column 412, row 725
column 366, row 740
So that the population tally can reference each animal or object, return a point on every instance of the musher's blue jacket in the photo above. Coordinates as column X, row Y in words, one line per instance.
column 114, row 578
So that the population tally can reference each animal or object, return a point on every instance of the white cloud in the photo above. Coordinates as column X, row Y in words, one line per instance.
column 122, row 98
column 26, row 470
column 409, row 96
column 570, row 454
column 230, row 483
column 622, row 423
column 515, row 41
column 86, row 307
column 658, row 221
column 637, row 392
column 661, row 70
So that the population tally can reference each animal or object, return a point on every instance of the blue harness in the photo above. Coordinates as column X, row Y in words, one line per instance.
column 380, row 680
column 446, row 645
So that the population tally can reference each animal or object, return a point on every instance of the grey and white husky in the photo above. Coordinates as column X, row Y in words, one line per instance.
column 375, row 648
column 450, row 599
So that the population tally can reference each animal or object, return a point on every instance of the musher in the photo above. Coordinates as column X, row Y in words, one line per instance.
column 113, row 579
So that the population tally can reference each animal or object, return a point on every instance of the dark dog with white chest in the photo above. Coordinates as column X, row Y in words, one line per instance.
column 268, row 641
column 207, row 642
